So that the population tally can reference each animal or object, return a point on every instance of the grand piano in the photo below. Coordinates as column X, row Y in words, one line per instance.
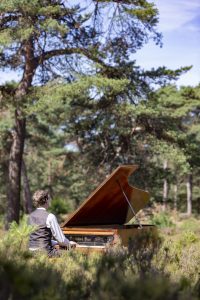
column 102, row 218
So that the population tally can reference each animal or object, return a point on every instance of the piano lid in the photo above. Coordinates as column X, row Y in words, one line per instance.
column 107, row 204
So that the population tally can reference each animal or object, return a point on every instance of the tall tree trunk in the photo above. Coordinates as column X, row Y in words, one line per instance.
column 28, row 207
column 17, row 148
column 49, row 172
column 165, row 187
column 14, row 174
column 189, row 194
column 175, row 196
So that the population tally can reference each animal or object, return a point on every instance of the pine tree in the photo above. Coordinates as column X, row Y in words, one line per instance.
column 169, row 121
column 44, row 40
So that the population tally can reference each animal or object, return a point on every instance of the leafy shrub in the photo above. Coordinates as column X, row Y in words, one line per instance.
column 162, row 220
column 179, row 257
column 59, row 206
column 188, row 238
column 191, row 224
column 17, row 236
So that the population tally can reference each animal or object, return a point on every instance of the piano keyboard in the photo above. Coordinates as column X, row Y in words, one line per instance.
column 91, row 240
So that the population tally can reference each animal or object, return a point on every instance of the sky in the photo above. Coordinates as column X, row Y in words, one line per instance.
column 180, row 25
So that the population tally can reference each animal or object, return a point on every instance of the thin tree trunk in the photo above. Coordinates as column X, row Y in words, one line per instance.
column 189, row 194
column 165, row 187
column 49, row 172
column 175, row 196
column 28, row 207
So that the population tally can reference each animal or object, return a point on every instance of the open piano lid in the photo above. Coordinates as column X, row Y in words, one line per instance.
column 107, row 204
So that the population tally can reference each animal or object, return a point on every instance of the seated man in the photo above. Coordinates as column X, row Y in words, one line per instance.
column 47, row 227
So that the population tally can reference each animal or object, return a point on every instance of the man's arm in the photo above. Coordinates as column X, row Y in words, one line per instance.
column 57, row 233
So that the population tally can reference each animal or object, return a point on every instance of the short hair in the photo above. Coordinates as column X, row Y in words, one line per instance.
column 40, row 198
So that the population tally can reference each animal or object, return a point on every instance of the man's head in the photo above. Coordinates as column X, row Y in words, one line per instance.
column 41, row 198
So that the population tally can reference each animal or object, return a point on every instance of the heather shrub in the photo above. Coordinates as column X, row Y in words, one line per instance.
column 150, row 268
column 190, row 224
column 154, row 287
column 143, row 248
column 21, row 279
column 179, row 257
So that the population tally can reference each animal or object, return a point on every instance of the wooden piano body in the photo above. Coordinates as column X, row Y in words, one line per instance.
column 102, row 218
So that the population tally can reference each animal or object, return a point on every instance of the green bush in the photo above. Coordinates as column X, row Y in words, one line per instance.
column 179, row 257
column 188, row 238
column 59, row 206
column 191, row 224
column 162, row 220
column 142, row 248
column 17, row 236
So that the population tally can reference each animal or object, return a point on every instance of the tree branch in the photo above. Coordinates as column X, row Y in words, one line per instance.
column 7, row 18
column 67, row 51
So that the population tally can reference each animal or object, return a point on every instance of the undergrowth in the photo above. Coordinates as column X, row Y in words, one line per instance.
column 152, row 267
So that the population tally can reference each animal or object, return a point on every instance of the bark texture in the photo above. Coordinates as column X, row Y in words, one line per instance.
column 19, row 133
column 14, row 175
column 175, row 196
column 28, row 206
column 165, row 187
column 189, row 194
